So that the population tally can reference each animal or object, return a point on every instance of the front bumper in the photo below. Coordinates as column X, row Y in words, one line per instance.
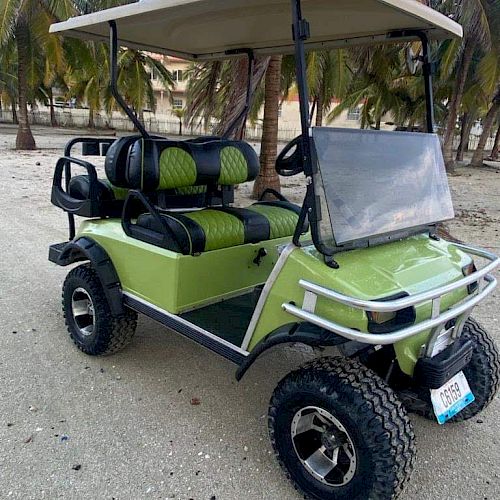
column 435, row 324
column 434, row 372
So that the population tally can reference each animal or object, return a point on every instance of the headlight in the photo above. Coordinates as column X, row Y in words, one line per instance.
column 387, row 322
column 381, row 317
column 467, row 271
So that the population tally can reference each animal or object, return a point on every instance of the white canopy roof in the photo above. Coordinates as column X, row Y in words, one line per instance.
column 208, row 29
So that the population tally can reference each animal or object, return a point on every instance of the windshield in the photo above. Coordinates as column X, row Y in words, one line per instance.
column 372, row 183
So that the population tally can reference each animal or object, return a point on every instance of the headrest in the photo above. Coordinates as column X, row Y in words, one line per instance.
column 116, row 160
column 158, row 164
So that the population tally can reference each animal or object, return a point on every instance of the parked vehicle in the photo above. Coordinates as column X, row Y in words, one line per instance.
column 358, row 266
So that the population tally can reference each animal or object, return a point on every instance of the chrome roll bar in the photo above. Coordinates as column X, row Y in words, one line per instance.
column 437, row 320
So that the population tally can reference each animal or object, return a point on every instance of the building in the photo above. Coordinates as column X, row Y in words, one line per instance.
column 178, row 68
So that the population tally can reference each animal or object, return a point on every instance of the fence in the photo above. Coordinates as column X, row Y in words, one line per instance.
column 156, row 124
column 163, row 125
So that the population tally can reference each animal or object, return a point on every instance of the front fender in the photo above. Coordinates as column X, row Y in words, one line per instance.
column 292, row 333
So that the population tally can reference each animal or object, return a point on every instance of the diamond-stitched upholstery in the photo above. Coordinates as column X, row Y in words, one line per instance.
column 213, row 229
column 234, row 169
column 177, row 169
column 221, row 230
column 282, row 222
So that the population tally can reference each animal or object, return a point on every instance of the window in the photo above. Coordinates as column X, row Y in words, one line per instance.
column 154, row 75
column 354, row 114
column 178, row 75
column 177, row 104
column 280, row 110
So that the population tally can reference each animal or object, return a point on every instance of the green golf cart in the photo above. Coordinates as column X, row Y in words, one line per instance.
column 358, row 268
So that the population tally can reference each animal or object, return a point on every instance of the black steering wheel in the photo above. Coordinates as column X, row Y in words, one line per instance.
column 289, row 161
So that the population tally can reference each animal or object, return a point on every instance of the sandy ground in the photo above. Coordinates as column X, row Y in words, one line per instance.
column 124, row 427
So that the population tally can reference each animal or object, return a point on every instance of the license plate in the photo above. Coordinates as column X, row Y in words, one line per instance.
column 451, row 398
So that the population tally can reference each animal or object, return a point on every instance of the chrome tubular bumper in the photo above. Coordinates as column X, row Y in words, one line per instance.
column 461, row 311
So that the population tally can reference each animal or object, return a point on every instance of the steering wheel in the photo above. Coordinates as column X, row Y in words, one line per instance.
column 289, row 161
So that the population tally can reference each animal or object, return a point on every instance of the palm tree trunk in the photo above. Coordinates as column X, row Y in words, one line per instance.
column 489, row 120
column 91, row 117
column 467, row 121
column 319, row 108
column 13, row 106
column 24, row 139
column 53, row 119
column 268, row 178
column 496, row 146
column 454, row 106
column 312, row 110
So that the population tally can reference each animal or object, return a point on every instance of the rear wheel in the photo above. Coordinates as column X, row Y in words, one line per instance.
column 340, row 432
column 90, row 322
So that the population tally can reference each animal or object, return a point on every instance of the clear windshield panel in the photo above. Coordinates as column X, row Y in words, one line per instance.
column 377, row 182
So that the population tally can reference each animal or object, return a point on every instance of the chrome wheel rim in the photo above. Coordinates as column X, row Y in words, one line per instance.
column 323, row 446
column 82, row 308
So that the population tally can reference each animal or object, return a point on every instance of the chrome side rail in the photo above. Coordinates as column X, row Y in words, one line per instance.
column 437, row 319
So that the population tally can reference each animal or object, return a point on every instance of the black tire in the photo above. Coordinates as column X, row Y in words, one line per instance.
column 482, row 373
column 110, row 333
column 376, row 423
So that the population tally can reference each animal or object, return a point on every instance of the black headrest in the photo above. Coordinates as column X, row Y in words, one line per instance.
column 116, row 160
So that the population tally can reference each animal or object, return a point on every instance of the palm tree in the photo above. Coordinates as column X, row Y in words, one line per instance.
column 8, row 77
column 496, row 146
column 268, row 177
column 87, row 81
column 475, row 16
column 180, row 115
column 489, row 120
column 328, row 76
column 135, row 70
column 24, row 21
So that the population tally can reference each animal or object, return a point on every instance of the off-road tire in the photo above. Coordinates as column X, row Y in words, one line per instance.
column 482, row 373
column 374, row 417
column 111, row 332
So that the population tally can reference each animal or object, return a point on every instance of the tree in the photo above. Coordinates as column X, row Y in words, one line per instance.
column 23, row 21
column 474, row 15
column 496, row 146
column 180, row 114
column 8, row 77
column 489, row 120
column 135, row 70
column 268, row 178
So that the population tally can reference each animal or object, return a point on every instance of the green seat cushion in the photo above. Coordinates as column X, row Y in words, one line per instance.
column 221, row 230
column 282, row 222
column 216, row 228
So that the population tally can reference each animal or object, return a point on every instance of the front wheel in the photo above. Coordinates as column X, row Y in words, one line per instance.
column 340, row 432
column 482, row 373
column 91, row 324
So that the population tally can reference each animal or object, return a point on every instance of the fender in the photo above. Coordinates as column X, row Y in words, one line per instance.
column 85, row 249
column 292, row 333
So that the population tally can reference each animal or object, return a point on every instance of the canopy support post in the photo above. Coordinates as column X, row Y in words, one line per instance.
column 113, row 48
column 427, row 72
column 310, row 207
column 300, row 34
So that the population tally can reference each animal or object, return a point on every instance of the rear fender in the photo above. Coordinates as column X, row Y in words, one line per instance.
column 85, row 249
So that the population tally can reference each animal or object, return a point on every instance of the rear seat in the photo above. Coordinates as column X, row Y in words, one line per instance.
column 155, row 164
column 216, row 228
